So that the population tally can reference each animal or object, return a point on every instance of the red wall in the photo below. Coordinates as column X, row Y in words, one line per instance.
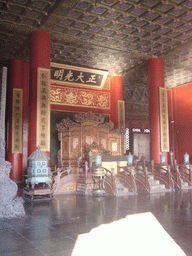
column 180, row 121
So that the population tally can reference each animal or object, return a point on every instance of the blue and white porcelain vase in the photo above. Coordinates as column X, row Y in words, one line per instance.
column 98, row 159
column 129, row 159
column 186, row 158
column 162, row 158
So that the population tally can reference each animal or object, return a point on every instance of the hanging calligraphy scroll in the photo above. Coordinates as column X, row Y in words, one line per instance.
column 121, row 114
column 77, row 76
column 17, row 121
column 121, row 123
column 43, row 109
column 164, row 125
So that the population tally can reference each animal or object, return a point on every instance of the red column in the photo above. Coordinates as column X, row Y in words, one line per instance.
column 40, row 57
column 116, row 87
column 175, row 124
column 155, row 80
column 16, row 81
column 25, row 118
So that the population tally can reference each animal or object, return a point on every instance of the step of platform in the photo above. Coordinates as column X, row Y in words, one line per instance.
column 85, row 188
column 185, row 185
column 155, row 185
column 121, row 190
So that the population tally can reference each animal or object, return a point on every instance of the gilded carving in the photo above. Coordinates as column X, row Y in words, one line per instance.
column 68, row 188
column 79, row 97
column 55, row 95
column 86, row 98
column 89, row 134
column 71, row 97
column 102, row 101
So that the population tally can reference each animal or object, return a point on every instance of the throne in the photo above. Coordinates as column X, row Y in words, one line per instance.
column 84, row 137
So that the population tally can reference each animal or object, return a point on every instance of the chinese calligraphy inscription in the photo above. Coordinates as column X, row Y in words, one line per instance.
column 17, row 121
column 78, row 76
column 164, row 125
column 43, row 109
column 121, row 114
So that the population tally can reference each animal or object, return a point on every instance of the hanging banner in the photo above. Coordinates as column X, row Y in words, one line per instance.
column 43, row 109
column 77, row 76
column 164, row 124
column 17, row 120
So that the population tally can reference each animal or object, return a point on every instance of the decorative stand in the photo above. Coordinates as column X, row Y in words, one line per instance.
column 40, row 193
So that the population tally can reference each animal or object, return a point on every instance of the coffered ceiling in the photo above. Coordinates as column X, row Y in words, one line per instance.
column 118, row 36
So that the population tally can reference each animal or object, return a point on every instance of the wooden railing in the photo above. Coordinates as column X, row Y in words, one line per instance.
column 142, row 180
column 63, row 176
column 163, row 174
column 109, row 181
column 135, row 178
column 186, row 173
column 177, row 177
column 63, row 171
column 126, row 176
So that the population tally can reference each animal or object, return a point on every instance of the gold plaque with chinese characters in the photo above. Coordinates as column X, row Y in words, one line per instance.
column 77, row 76
column 43, row 109
column 17, row 121
column 164, row 125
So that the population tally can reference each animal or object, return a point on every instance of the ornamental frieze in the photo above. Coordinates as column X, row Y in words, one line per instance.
column 79, row 97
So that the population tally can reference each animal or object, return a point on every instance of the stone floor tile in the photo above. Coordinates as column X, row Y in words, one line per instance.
column 48, row 246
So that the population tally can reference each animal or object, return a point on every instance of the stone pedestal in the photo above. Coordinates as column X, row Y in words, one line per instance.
column 38, row 194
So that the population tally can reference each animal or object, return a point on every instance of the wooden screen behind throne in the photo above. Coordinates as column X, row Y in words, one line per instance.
column 87, row 132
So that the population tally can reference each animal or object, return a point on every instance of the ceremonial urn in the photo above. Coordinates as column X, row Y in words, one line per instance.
column 38, row 170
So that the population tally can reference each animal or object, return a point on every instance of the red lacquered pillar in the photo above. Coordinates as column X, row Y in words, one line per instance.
column 25, row 118
column 16, row 81
column 155, row 80
column 116, row 87
column 40, row 57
